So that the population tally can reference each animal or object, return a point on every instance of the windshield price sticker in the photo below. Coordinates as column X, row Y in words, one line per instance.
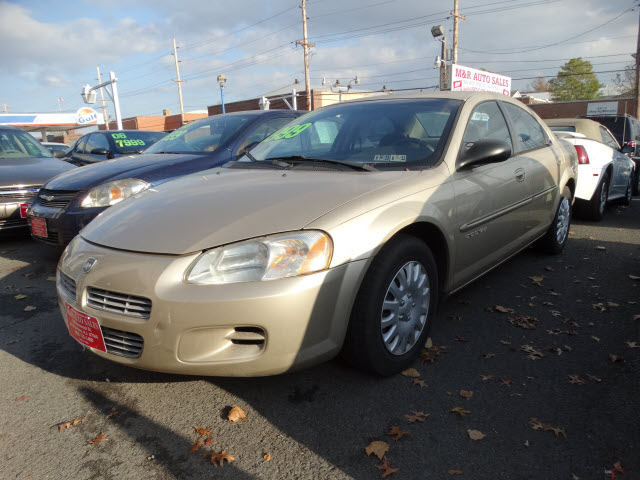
column 118, row 135
column 173, row 135
column 288, row 132
column 390, row 158
column 129, row 143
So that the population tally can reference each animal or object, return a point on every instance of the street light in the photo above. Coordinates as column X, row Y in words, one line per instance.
column 437, row 31
column 356, row 81
column 222, row 80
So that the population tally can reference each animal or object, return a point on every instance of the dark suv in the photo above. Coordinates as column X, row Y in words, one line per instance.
column 626, row 129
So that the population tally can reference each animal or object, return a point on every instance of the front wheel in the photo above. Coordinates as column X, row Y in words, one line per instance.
column 394, row 308
column 636, row 183
column 628, row 196
column 556, row 237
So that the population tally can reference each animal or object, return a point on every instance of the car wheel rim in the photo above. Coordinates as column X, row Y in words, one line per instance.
column 564, row 218
column 629, row 191
column 603, row 197
column 405, row 308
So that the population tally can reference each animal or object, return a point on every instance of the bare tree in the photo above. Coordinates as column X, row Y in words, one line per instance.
column 539, row 85
column 626, row 82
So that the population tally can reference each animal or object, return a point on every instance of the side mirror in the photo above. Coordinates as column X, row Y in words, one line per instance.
column 627, row 149
column 59, row 153
column 99, row 151
column 482, row 152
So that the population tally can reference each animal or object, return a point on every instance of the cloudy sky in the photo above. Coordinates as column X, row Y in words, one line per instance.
column 51, row 48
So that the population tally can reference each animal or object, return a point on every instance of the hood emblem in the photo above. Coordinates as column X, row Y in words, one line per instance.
column 88, row 265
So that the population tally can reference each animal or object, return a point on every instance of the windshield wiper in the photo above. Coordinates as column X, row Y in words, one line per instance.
column 301, row 158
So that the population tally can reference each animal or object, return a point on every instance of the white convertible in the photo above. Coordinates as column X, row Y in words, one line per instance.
column 604, row 171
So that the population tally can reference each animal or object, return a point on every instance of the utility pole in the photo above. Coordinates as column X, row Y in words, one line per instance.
column 444, row 85
column 104, row 105
column 178, row 81
column 306, row 46
column 5, row 107
column 637, row 112
column 456, row 17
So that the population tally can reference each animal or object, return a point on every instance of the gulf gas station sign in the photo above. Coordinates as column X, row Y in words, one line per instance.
column 466, row 79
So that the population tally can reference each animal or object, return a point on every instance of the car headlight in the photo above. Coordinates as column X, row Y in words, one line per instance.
column 113, row 192
column 266, row 258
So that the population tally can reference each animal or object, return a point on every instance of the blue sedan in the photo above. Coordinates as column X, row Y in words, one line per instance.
column 70, row 201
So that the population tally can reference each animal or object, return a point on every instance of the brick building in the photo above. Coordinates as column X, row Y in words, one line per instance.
column 156, row 123
column 579, row 108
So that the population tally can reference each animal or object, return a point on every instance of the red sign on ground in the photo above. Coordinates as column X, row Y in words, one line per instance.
column 39, row 227
column 84, row 328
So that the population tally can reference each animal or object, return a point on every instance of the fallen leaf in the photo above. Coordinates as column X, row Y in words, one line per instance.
column 599, row 247
column 459, row 410
column 202, row 431
column 594, row 378
column 396, row 433
column 196, row 446
column 466, row 394
column 419, row 381
column 461, row 339
column 267, row 457
column 219, row 457
column 612, row 304
column 486, row 377
column 236, row 413
column 506, row 382
column 634, row 277
column 455, row 472
column 29, row 308
column 20, row 296
column 428, row 344
column 505, row 342
column 502, row 309
column 386, row 466
column 548, row 268
column 537, row 425
column 615, row 358
column 416, row 417
column 523, row 321
column 431, row 354
column 63, row 426
column 51, row 279
column 574, row 477
column 78, row 421
column 208, row 441
column 576, row 379
column 23, row 398
column 112, row 413
column 632, row 344
column 536, row 279
column 599, row 306
column 597, row 339
column 411, row 372
column 475, row 435
column 488, row 355
column 378, row 448
column 618, row 467
column 100, row 438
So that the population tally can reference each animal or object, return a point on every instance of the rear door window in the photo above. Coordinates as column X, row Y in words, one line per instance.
column 608, row 139
column 529, row 133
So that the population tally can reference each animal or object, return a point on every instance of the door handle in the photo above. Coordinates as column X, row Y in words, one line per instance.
column 520, row 174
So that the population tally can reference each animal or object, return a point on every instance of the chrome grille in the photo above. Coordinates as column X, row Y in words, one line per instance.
column 67, row 285
column 55, row 198
column 125, row 344
column 121, row 303
column 20, row 192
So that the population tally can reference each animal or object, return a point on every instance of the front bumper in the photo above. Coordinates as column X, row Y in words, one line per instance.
column 244, row 329
column 63, row 224
column 10, row 217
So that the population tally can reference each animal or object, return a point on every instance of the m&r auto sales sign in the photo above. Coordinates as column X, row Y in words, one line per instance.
column 466, row 79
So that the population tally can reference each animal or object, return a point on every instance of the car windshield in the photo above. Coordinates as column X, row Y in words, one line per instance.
column 617, row 126
column 387, row 134
column 202, row 136
column 132, row 141
column 19, row 144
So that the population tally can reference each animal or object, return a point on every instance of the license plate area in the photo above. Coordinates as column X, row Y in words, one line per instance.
column 39, row 227
column 84, row 328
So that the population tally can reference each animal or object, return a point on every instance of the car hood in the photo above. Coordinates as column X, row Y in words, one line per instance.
column 30, row 171
column 224, row 205
column 131, row 166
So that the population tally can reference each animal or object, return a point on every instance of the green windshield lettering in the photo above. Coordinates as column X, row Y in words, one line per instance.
column 118, row 135
column 173, row 135
column 288, row 132
column 129, row 143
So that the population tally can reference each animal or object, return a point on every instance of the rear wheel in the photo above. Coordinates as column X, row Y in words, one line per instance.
column 394, row 308
column 596, row 207
column 556, row 237
column 628, row 195
column 636, row 183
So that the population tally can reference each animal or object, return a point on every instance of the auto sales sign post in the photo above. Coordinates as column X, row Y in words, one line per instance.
column 465, row 79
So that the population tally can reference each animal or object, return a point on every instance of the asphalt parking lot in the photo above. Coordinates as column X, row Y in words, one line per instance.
column 541, row 357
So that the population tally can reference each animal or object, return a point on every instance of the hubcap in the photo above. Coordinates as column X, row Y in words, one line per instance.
column 603, row 196
column 405, row 308
column 564, row 218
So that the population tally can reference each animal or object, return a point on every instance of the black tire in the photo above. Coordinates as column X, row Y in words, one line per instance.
column 556, row 237
column 628, row 195
column 636, row 183
column 364, row 346
column 596, row 207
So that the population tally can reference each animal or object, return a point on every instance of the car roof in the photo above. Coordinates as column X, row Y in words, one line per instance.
column 10, row 127
column 259, row 112
column 588, row 128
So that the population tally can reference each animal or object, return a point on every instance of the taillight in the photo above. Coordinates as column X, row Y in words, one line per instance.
column 583, row 158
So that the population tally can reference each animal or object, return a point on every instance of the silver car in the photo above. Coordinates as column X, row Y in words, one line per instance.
column 339, row 233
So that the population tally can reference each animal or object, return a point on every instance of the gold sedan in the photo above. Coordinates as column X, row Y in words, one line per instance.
column 338, row 234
